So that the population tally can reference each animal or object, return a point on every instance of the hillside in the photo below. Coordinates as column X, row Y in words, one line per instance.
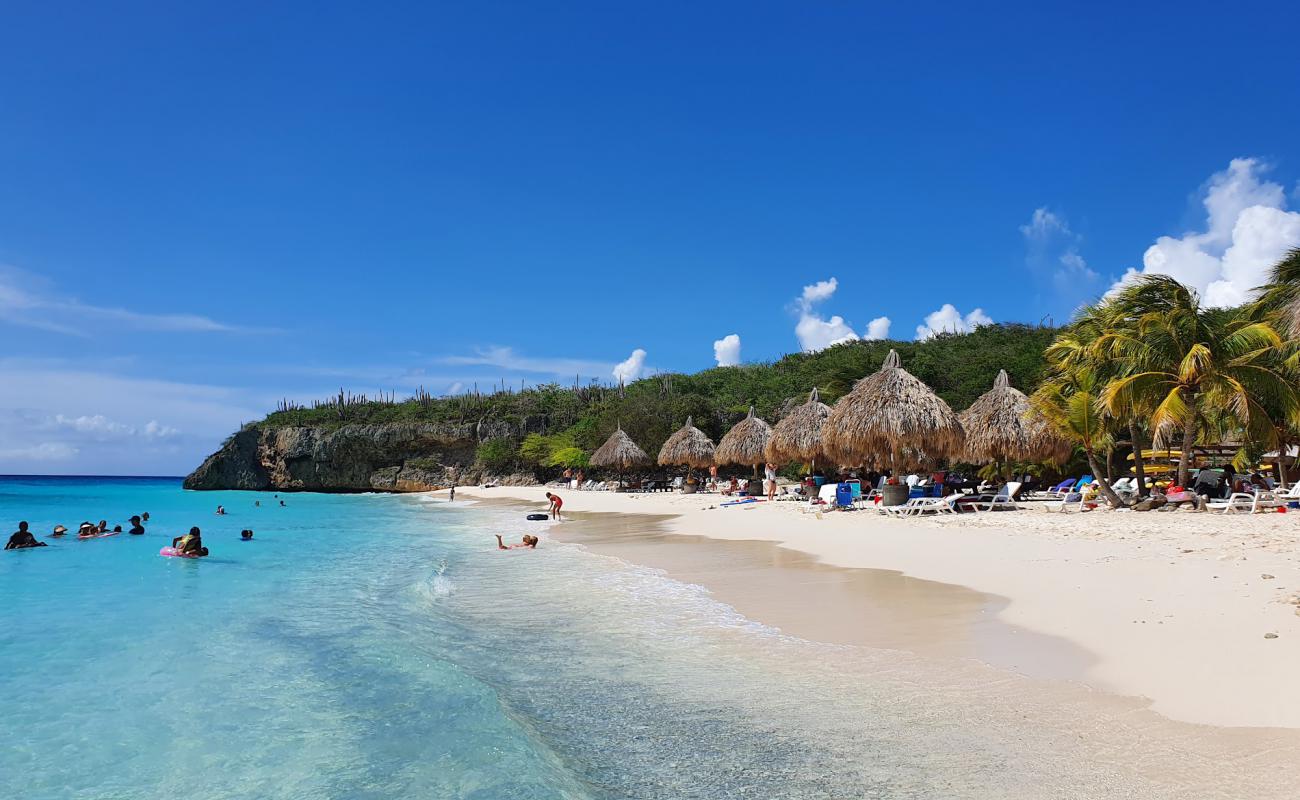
column 475, row 434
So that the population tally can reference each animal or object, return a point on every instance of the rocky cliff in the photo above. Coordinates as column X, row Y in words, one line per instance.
column 393, row 457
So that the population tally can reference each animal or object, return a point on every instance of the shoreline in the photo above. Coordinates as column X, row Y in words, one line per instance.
column 1171, row 608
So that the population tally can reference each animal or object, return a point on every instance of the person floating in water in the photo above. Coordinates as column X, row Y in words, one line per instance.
column 145, row 516
column 257, row 504
column 190, row 544
column 221, row 511
column 529, row 542
column 246, row 534
column 556, row 504
column 23, row 538
column 86, row 530
column 59, row 530
column 102, row 527
column 136, row 527
column 281, row 504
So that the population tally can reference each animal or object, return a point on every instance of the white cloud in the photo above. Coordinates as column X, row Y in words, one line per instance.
column 1044, row 224
column 28, row 301
column 1247, row 230
column 632, row 368
column 507, row 358
column 817, row 292
column 814, row 332
column 1052, row 250
column 726, row 351
column 877, row 329
column 108, row 424
column 45, row 451
column 949, row 320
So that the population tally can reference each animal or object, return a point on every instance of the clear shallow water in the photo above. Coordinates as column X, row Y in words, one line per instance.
column 379, row 647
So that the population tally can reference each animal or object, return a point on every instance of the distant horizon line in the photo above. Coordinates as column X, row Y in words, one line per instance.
column 63, row 475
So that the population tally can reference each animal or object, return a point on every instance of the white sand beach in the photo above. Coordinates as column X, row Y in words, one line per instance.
column 1192, row 611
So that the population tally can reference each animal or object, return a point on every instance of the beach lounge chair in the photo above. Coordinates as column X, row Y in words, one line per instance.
column 1247, row 502
column 1005, row 498
column 917, row 506
column 1063, row 488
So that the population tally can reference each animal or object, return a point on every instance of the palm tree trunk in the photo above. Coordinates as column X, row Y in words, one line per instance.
column 1139, row 467
column 1185, row 460
column 1108, row 492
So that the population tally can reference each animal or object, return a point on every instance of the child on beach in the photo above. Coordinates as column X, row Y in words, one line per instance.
column 529, row 542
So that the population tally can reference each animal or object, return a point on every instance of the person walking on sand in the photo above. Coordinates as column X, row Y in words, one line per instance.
column 769, row 473
column 556, row 505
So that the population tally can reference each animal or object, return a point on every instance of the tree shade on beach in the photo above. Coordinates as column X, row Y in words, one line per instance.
column 890, row 418
column 745, row 443
column 1001, row 427
column 798, row 437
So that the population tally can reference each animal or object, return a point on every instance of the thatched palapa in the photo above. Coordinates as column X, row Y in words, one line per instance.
column 745, row 443
column 619, row 452
column 1001, row 426
column 888, row 415
column 798, row 437
column 687, row 446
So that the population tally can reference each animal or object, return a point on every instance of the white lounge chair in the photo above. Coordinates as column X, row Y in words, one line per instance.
column 917, row 506
column 1005, row 498
column 1247, row 502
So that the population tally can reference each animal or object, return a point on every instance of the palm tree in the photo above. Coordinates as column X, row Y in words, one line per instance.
column 1179, row 358
column 1069, row 401
column 1078, row 346
column 1279, row 299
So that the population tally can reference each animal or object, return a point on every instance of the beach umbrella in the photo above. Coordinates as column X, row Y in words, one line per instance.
column 891, row 415
column 620, row 452
column 1000, row 426
column 745, row 443
column 798, row 437
column 687, row 446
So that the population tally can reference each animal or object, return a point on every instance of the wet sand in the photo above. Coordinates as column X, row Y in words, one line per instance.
column 799, row 595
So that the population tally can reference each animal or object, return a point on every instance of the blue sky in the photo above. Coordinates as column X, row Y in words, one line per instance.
column 207, row 207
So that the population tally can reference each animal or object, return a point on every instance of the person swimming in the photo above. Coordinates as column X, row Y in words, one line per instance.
column 221, row 511
column 86, row 530
column 529, row 542
column 59, row 530
column 246, row 534
column 136, row 528
column 22, row 539
column 145, row 516
column 190, row 544
column 102, row 527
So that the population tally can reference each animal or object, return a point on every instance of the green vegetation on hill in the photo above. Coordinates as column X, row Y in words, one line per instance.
column 550, row 426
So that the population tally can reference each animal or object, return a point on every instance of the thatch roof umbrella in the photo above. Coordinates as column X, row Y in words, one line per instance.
column 1000, row 426
column 687, row 446
column 889, row 414
column 798, row 437
column 745, row 443
column 621, row 452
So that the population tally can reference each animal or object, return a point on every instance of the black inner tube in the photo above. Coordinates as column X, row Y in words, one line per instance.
column 538, row 516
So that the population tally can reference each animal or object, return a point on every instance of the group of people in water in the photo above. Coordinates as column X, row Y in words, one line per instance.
column 24, row 538
column 191, row 544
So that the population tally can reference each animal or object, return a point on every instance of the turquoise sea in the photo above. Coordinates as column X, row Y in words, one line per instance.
column 381, row 647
